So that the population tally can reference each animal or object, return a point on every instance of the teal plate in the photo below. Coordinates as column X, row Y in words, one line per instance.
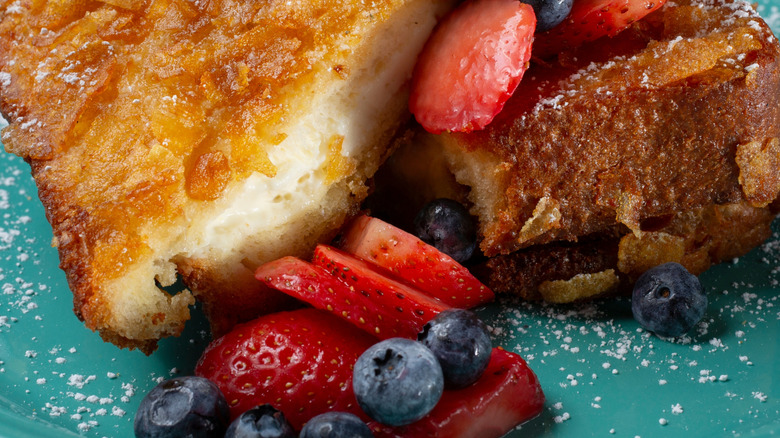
column 602, row 374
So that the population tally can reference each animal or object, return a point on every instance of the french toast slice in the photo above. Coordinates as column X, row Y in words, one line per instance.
column 689, row 119
column 196, row 140
column 674, row 120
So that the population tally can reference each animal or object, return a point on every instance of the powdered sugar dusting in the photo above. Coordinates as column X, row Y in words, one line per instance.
column 5, row 80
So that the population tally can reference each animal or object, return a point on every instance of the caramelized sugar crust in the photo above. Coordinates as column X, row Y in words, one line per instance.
column 680, row 111
column 138, row 117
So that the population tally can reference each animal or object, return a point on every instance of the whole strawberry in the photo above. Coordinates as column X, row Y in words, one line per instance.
column 300, row 362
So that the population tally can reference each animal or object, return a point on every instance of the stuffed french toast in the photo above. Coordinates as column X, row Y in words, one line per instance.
column 198, row 140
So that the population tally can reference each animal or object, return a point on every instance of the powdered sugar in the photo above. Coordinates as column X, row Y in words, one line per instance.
column 760, row 396
column 602, row 79
column 78, row 381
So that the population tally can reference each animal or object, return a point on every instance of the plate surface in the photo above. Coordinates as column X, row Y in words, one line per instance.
column 602, row 375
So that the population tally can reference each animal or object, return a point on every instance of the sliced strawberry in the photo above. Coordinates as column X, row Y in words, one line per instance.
column 322, row 289
column 299, row 361
column 355, row 290
column 391, row 307
column 507, row 394
column 590, row 20
column 471, row 64
column 418, row 263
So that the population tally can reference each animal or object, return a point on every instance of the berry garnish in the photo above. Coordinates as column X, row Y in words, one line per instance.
column 590, row 20
column 550, row 13
column 507, row 394
column 397, row 381
column 397, row 308
column 461, row 343
column 668, row 300
column 336, row 425
column 300, row 361
column 182, row 407
column 263, row 421
column 353, row 289
column 448, row 226
column 471, row 64
column 417, row 262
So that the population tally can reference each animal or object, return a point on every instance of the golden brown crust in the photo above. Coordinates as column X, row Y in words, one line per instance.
column 678, row 124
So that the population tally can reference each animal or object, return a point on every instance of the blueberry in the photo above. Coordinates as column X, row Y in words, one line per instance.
column 461, row 343
column 263, row 421
column 336, row 425
column 668, row 300
column 447, row 225
column 397, row 381
column 550, row 13
column 182, row 407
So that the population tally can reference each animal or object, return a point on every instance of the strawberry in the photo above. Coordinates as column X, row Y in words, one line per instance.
column 379, row 305
column 590, row 20
column 389, row 307
column 471, row 64
column 416, row 262
column 507, row 394
column 299, row 361
column 375, row 304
